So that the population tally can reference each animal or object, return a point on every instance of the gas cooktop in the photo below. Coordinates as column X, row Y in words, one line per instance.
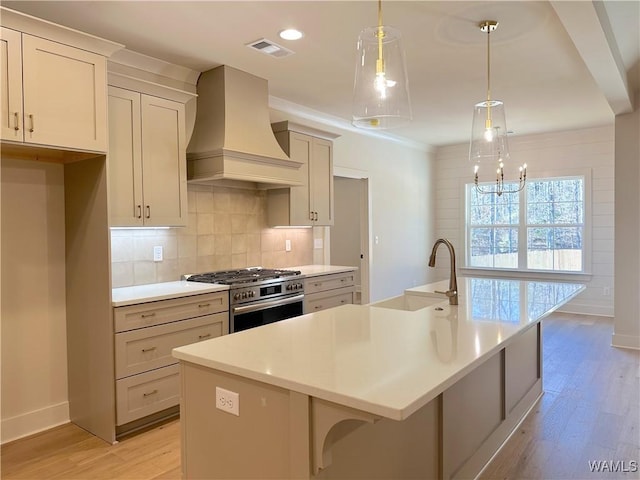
column 242, row 276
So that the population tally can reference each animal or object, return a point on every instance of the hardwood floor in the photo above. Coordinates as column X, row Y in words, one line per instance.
column 590, row 412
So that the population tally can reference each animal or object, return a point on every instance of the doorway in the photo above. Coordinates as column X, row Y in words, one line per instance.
column 349, row 235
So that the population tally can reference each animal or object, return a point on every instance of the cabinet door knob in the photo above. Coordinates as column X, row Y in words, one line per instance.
column 33, row 126
column 16, row 121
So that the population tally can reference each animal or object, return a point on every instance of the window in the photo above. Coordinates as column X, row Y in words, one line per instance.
column 541, row 228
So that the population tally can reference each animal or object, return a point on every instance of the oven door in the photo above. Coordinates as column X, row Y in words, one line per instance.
column 263, row 312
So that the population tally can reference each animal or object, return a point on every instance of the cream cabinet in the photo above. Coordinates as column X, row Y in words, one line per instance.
column 147, row 378
column 147, row 160
column 328, row 291
column 53, row 95
column 310, row 203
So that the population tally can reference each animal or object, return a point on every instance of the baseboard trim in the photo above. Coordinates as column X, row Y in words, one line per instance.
column 625, row 341
column 582, row 309
column 33, row 422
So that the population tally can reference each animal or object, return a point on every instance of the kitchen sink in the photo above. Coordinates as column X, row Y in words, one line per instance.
column 409, row 303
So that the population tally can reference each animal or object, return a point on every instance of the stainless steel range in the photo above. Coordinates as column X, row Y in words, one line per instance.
column 258, row 296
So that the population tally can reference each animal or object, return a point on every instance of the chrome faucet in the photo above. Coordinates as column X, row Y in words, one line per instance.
column 452, row 293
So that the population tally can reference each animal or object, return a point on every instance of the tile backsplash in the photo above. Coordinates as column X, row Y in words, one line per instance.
column 226, row 229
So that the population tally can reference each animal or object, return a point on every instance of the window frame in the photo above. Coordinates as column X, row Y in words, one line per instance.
column 522, row 226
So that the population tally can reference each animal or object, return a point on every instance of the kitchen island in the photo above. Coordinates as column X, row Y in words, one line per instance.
column 409, row 387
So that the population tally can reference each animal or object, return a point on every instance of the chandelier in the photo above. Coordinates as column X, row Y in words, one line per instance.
column 489, row 146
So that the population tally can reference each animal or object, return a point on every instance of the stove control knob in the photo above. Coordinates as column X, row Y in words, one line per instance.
column 236, row 296
column 252, row 294
column 289, row 286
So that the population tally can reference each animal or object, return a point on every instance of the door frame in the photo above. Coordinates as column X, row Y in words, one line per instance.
column 365, row 227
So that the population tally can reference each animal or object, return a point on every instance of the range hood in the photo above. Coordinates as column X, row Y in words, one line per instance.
column 232, row 142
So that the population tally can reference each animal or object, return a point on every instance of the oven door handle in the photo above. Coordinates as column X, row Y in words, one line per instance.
column 268, row 304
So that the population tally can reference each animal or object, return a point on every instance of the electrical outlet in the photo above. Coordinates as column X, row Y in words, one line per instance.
column 157, row 253
column 317, row 243
column 287, row 245
column 228, row 401
column 606, row 291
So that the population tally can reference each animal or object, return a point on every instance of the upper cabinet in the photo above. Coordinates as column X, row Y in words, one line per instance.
column 53, row 85
column 147, row 160
column 311, row 203
column 149, row 126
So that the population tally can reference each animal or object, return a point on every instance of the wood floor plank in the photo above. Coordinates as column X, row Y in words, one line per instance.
column 590, row 412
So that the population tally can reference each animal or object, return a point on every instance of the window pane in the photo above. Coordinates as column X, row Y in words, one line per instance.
column 491, row 209
column 539, row 251
column 494, row 247
column 481, row 247
column 558, row 202
column 567, row 212
column 558, row 248
column 539, row 213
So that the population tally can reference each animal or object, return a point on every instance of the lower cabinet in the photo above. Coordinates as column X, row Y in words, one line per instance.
column 328, row 291
column 147, row 379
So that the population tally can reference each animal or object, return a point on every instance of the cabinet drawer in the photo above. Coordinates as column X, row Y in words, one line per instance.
column 322, row 301
column 165, row 311
column 147, row 348
column 147, row 393
column 328, row 282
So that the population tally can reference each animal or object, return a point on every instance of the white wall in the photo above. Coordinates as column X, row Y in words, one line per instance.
column 545, row 154
column 626, row 327
column 34, row 355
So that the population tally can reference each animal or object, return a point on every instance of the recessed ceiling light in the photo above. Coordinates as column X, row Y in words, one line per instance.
column 291, row 34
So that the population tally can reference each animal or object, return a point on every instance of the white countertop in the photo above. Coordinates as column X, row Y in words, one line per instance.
column 152, row 292
column 384, row 361
column 315, row 270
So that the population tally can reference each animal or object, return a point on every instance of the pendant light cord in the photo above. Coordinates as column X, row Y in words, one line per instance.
column 488, row 123
column 380, row 35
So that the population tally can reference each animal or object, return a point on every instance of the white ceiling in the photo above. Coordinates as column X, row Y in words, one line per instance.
column 557, row 65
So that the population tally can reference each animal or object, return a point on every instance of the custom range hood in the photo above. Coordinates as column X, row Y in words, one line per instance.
column 232, row 142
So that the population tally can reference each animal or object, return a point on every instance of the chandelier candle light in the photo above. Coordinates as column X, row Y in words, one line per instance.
column 489, row 132
column 381, row 90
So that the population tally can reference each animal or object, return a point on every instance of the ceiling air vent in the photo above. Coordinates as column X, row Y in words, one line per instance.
column 270, row 48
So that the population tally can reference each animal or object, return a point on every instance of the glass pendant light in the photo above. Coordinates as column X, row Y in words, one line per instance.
column 489, row 149
column 381, row 89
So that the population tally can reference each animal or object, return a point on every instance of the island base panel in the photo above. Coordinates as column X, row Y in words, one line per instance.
column 218, row 444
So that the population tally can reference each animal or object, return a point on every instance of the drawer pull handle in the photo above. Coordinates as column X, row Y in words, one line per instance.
column 139, row 211
column 202, row 337
column 16, row 121
column 151, row 349
column 317, row 307
column 148, row 394
column 147, row 315
column 148, row 211
column 204, row 305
